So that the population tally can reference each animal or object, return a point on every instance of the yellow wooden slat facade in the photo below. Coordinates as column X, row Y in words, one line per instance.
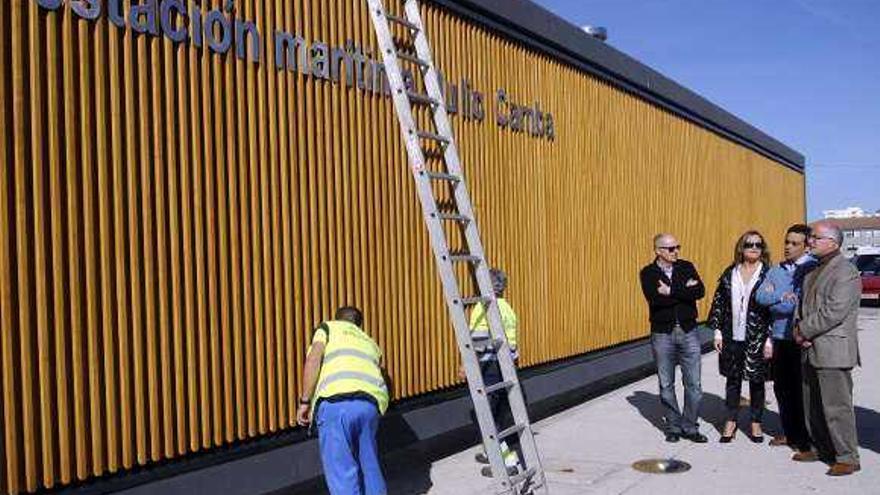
column 173, row 223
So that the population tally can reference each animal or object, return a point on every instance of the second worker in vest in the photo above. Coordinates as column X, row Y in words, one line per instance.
column 510, row 449
column 345, row 394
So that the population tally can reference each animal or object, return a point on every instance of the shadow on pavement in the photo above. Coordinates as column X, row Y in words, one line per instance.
column 868, row 424
column 712, row 411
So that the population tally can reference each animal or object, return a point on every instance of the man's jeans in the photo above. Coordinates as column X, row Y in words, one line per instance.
column 679, row 348
column 347, row 439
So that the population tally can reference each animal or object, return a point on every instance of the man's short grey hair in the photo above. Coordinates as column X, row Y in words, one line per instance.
column 660, row 236
column 835, row 232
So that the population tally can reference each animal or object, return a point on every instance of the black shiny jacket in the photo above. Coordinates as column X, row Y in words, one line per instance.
column 749, row 365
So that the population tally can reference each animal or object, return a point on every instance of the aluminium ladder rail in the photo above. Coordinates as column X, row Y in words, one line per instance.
column 529, row 477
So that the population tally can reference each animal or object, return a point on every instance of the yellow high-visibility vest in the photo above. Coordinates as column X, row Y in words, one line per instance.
column 480, row 321
column 350, row 364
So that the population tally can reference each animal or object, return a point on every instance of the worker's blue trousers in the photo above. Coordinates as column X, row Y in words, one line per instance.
column 347, row 436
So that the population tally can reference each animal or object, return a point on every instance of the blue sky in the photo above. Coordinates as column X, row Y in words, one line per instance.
column 807, row 72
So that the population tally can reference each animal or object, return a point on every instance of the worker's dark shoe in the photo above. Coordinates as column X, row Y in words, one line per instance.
column 672, row 437
column 805, row 456
column 843, row 469
column 481, row 457
column 695, row 437
column 487, row 471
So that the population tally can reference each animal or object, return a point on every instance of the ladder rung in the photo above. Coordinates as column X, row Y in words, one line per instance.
column 468, row 258
column 499, row 386
column 432, row 136
column 470, row 301
column 442, row 176
column 422, row 99
column 513, row 430
column 413, row 59
column 524, row 476
column 453, row 216
column 402, row 21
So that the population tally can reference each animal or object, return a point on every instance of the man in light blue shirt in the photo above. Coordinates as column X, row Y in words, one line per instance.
column 780, row 292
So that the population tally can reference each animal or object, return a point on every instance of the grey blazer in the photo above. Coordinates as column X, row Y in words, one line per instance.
column 829, row 314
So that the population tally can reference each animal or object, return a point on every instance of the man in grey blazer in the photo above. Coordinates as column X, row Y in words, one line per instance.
column 828, row 332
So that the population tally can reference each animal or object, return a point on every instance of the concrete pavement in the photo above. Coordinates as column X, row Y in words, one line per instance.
column 590, row 448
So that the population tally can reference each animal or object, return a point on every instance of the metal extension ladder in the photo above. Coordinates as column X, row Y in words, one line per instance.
column 441, row 216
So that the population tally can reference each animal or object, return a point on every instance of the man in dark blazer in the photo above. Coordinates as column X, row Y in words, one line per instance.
column 672, row 288
column 828, row 332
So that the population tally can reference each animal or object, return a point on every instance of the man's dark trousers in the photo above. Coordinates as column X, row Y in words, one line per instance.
column 788, row 388
column 679, row 348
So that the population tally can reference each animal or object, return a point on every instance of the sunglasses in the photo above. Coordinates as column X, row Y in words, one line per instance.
column 753, row 245
column 670, row 249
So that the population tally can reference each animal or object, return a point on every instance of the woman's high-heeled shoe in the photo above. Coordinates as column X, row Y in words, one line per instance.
column 756, row 438
column 727, row 438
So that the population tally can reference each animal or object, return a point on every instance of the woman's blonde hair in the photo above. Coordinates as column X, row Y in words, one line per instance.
column 738, row 257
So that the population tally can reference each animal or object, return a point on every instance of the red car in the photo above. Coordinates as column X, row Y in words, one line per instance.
column 869, row 268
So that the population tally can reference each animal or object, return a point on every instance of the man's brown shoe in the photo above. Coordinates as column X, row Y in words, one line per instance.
column 805, row 456
column 779, row 441
column 843, row 469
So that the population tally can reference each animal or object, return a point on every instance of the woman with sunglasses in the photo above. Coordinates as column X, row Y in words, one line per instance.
column 742, row 332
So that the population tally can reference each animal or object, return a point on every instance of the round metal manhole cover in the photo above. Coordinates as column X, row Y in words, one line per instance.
column 661, row 466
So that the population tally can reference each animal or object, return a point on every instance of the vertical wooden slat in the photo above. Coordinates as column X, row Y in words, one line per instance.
column 199, row 93
column 212, row 414
column 223, row 400
column 279, row 410
column 121, row 202
column 41, row 272
column 150, row 364
column 103, row 158
column 136, row 139
column 11, row 463
column 189, row 138
column 243, row 160
column 237, row 406
column 286, row 164
column 88, row 159
column 59, row 264
column 160, row 55
column 73, row 160
column 176, row 56
column 23, row 249
column 257, row 166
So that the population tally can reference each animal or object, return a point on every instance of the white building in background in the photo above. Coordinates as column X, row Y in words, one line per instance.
column 851, row 212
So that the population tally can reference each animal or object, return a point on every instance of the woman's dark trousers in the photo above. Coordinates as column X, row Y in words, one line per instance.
column 733, row 389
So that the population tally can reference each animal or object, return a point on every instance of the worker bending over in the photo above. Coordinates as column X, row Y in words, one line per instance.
column 345, row 394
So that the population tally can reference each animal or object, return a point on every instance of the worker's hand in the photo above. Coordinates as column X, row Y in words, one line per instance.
column 790, row 297
column 461, row 374
column 798, row 338
column 692, row 283
column 719, row 341
column 663, row 288
column 302, row 414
